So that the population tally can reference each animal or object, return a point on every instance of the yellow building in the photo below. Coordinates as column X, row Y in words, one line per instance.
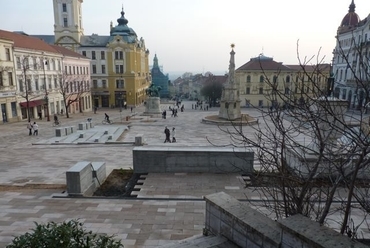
column 293, row 83
column 119, row 62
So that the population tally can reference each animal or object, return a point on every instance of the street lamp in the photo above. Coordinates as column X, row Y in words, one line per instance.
column 46, row 91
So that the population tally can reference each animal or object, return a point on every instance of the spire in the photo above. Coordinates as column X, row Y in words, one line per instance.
column 232, row 65
column 352, row 7
column 155, row 61
column 122, row 20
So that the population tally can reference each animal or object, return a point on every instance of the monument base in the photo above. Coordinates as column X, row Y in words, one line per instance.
column 152, row 106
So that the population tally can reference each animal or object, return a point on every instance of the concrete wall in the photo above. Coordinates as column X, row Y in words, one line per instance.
column 149, row 159
column 85, row 177
column 247, row 228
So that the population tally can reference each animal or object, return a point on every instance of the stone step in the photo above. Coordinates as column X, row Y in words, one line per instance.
column 202, row 242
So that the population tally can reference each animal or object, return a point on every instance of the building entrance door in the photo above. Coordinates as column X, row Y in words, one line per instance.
column 3, row 111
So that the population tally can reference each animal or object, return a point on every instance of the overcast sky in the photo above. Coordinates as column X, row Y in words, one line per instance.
column 195, row 35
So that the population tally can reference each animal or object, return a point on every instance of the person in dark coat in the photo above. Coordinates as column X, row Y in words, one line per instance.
column 167, row 133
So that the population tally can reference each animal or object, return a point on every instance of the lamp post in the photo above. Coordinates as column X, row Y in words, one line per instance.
column 46, row 91
column 120, row 105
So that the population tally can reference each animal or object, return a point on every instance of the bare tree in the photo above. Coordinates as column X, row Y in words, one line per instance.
column 312, row 159
column 72, row 87
column 25, row 83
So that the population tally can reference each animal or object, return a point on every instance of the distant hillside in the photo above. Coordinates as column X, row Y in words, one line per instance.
column 175, row 74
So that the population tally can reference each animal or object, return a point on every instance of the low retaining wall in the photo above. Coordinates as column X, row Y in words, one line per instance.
column 158, row 159
column 85, row 177
column 246, row 227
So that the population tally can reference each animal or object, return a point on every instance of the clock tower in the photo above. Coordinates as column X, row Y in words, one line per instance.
column 68, row 28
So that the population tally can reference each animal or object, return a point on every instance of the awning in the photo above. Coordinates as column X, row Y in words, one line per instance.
column 33, row 103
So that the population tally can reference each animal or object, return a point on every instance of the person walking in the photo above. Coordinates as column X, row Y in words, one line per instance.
column 173, row 133
column 35, row 129
column 29, row 126
column 167, row 133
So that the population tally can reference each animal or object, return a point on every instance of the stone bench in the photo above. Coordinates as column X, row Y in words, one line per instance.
column 84, row 125
column 159, row 159
column 63, row 131
column 85, row 177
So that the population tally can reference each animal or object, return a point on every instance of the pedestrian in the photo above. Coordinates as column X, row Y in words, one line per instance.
column 131, row 109
column 40, row 115
column 167, row 133
column 29, row 126
column 35, row 129
column 173, row 133
column 95, row 109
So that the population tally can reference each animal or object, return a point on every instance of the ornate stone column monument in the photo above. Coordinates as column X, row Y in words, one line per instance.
column 230, row 102
column 152, row 105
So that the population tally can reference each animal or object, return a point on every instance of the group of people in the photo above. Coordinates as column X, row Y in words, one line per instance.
column 33, row 127
column 168, row 134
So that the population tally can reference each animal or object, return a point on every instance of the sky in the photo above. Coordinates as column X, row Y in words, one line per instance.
column 195, row 35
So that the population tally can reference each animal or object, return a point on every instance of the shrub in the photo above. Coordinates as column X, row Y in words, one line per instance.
column 63, row 235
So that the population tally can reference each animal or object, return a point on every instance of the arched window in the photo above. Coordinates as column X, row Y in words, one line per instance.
column 262, row 79
column 248, row 79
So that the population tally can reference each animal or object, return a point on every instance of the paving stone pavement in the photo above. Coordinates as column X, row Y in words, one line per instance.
column 32, row 171
column 168, row 207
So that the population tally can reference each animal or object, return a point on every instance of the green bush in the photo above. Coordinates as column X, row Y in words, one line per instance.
column 63, row 235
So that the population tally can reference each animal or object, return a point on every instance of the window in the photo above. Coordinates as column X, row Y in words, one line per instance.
column 7, row 54
column 84, row 53
column 64, row 6
column 118, row 55
column 95, row 83
column 65, row 69
column 247, row 90
column 261, row 90
column 94, row 69
column 103, row 69
column 102, row 55
column 34, row 62
column 93, row 55
column 119, row 68
column 10, row 78
column 50, row 86
column 1, row 79
column 19, row 63
column 74, row 70
column 55, row 83
column 65, row 22
column 287, row 90
column 37, row 84
column 248, row 79
column 104, row 84
column 14, row 109
column 21, row 88
column 119, row 84
column 287, row 79
column 29, row 85
column 275, row 79
column 260, row 103
column 262, row 79
column 53, row 65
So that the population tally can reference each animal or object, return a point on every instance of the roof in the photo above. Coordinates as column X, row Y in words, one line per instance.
column 310, row 68
column 216, row 79
column 68, row 52
column 47, row 38
column 94, row 40
column 263, row 63
column 351, row 18
column 27, row 42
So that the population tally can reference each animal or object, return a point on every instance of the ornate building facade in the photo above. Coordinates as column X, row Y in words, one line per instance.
column 119, row 62
column 351, row 59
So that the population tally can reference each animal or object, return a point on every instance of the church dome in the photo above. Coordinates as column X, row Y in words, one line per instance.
column 123, row 30
column 351, row 18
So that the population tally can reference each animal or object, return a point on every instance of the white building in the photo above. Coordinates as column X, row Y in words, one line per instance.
column 351, row 59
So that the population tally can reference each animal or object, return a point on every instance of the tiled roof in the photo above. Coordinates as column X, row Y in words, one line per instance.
column 216, row 79
column 310, row 68
column 94, row 40
column 27, row 42
column 263, row 64
column 68, row 52
column 47, row 38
